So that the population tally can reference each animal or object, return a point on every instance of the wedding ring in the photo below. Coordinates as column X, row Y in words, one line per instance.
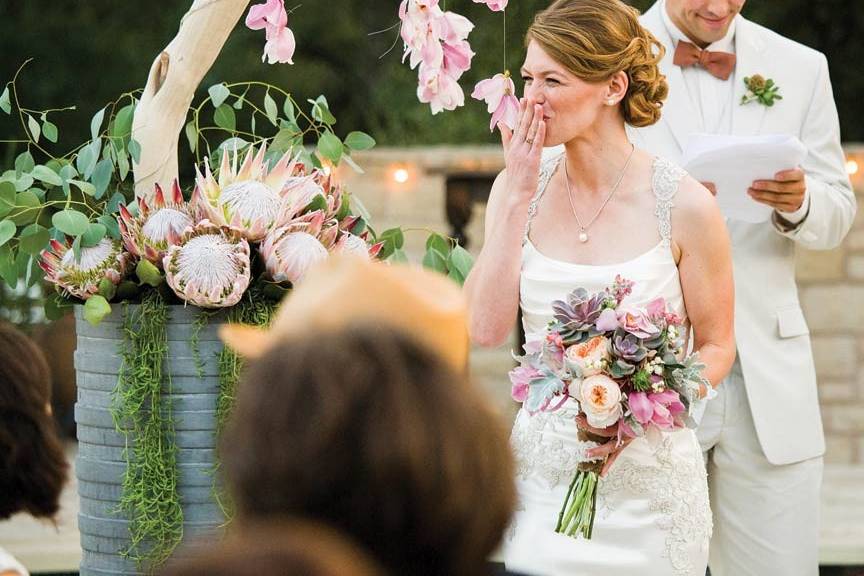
column 529, row 140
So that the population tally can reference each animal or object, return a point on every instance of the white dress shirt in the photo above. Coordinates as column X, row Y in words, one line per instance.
column 713, row 98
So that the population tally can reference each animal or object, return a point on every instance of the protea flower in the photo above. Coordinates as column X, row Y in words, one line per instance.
column 289, row 251
column 81, row 277
column 156, row 227
column 354, row 245
column 252, row 198
column 209, row 266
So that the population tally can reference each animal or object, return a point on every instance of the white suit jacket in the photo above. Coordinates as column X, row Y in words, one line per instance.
column 772, row 336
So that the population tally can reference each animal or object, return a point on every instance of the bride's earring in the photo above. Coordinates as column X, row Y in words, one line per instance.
column 610, row 102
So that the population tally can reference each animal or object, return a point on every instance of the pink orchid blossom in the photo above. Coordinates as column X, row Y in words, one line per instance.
column 607, row 321
column 656, row 308
column 636, row 322
column 499, row 94
column 520, row 379
column 659, row 408
column 440, row 90
column 457, row 58
column 494, row 5
column 272, row 17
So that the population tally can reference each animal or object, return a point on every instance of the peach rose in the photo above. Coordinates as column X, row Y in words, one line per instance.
column 589, row 355
column 600, row 399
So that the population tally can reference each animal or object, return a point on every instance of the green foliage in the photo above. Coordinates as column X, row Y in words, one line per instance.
column 150, row 498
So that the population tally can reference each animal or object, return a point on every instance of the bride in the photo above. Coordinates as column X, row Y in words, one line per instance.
column 596, row 210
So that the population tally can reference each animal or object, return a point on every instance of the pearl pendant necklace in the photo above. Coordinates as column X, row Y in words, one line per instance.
column 583, row 228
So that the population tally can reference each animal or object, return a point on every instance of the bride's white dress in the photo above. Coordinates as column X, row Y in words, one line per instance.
column 653, row 517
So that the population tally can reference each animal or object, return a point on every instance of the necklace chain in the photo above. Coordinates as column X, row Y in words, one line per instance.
column 583, row 228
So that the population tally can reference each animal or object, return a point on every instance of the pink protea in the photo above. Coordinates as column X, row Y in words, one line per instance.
column 149, row 234
column 209, row 267
column 289, row 251
column 253, row 198
column 81, row 277
column 353, row 245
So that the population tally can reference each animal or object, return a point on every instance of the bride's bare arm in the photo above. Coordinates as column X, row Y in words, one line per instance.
column 492, row 287
column 705, row 268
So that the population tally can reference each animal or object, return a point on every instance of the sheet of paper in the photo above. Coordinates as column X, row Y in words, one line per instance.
column 732, row 163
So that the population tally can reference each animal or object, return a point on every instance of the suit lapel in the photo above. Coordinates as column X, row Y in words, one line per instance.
column 678, row 111
column 749, row 48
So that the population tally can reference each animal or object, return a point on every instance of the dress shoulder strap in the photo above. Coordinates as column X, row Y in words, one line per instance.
column 547, row 169
column 665, row 180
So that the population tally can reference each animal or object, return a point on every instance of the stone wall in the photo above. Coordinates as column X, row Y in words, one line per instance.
column 831, row 282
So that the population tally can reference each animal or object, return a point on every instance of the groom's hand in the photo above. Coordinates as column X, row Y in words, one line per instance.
column 785, row 193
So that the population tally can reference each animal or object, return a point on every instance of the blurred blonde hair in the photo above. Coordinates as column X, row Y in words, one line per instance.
column 594, row 39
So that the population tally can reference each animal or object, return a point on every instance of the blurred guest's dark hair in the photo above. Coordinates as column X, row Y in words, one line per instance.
column 294, row 548
column 368, row 431
column 32, row 463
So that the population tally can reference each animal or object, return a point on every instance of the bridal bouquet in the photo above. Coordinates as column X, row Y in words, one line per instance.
column 623, row 366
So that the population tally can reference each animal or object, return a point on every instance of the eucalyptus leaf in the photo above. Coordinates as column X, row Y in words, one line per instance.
column 76, row 249
column 34, row 238
column 218, row 94
column 122, row 125
column 33, row 127
column 399, row 257
column 288, row 109
column 24, row 162
column 122, row 165
column 330, row 147
column 271, row 109
column 8, row 270
column 148, row 273
column 85, row 187
column 134, row 149
column 93, row 235
column 283, row 139
column 107, row 289
column 225, row 118
column 49, row 130
column 7, row 231
column 192, row 136
column 56, row 307
column 112, row 227
column 102, row 177
column 85, row 160
column 7, row 198
column 46, row 175
column 439, row 243
column 359, row 141
column 96, row 308
column 435, row 260
column 96, row 123
column 26, row 208
column 70, row 222
column 23, row 183
column 459, row 261
column 5, row 102
column 114, row 203
column 395, row 235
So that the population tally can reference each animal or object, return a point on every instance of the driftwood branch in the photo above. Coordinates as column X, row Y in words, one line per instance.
column 174, row 76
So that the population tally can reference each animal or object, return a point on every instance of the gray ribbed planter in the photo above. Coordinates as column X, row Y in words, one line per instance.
column 100, row 465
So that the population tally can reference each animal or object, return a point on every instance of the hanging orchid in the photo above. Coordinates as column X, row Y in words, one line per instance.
column 436, row 41
column 499, row 93
column 272, row 17
column 494, row 5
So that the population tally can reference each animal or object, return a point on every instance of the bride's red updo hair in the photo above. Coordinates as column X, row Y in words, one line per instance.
column 594, row 39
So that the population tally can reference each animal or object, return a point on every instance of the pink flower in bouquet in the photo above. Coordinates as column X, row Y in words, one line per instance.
column 494, row 5
column 658, row 408
column 656, row 308
column 600, row 399
column 520, row 380
column 638, row 323
column 607, row 321
column 499, row 94
column 589, row 355
column 272, row 17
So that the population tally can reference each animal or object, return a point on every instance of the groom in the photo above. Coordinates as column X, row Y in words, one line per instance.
column 763, row 433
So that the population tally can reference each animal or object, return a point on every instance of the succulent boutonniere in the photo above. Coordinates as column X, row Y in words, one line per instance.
column 761, row 90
